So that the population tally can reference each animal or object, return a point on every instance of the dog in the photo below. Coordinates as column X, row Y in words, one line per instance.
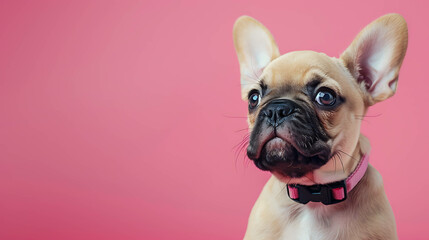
column 304, row 115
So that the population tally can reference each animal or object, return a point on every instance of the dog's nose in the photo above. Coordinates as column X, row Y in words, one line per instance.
column 277, row 111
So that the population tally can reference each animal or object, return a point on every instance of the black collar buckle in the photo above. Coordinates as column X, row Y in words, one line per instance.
column 323, row 193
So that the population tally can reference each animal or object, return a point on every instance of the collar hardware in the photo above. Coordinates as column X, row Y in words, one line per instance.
column 330, row 193
column 325, row 193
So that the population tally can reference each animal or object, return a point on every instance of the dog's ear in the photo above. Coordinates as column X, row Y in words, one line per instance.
column 375, row 56
column 255, row 47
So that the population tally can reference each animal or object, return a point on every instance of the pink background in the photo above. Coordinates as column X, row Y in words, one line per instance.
column 118, row 119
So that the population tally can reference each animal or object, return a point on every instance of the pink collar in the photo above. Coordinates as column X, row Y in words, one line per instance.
column 329, row 193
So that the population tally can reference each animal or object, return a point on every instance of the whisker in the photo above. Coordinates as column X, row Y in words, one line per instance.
column 362, row 119
column 234, row 117
column 364, row 116
column 341, row 161
column 240, row 148
column 335, row 163
column 244, row 158
column 348, row 155
column 246, row 137
column 240, row 130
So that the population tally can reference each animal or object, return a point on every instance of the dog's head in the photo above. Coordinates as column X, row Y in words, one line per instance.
column 305, row 107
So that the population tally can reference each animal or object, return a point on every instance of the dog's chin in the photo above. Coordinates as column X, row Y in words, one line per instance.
column 285, row 161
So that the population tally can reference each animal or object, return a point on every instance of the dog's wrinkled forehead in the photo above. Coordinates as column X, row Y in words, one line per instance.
column 296, row 69
column 289, row 74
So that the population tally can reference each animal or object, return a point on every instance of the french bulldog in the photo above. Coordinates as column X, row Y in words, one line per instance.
column 304, row 115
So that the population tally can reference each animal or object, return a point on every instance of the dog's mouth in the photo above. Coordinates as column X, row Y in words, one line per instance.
column 286, row 159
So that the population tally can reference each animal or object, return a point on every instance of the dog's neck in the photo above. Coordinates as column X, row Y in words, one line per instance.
column 337, row 191
column 330, row 193
column 362, row 148
column 353, row 197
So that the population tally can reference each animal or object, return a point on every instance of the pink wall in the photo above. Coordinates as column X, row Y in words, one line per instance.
column 118, row 119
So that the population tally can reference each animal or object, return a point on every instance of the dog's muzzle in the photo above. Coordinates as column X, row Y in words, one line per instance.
column 288, row 138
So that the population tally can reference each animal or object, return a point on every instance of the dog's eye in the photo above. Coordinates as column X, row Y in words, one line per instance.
column 254, row 100
column 325, row 97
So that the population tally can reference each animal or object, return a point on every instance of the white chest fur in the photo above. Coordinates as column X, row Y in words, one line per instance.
column 312, row 224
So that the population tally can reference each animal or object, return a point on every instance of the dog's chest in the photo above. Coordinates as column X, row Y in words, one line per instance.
column 312, row 225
